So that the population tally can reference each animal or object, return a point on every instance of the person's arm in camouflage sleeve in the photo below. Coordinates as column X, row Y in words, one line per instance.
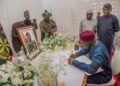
column 54, row 26
column 42, row 28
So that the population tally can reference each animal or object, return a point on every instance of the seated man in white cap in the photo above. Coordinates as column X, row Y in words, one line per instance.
column 47, row 26
column 88, row 23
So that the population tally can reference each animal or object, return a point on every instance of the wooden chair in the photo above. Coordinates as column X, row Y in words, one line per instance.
column 84, row 81
column 110, row 83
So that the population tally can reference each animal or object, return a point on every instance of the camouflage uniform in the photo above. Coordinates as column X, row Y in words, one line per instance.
column 46, row 25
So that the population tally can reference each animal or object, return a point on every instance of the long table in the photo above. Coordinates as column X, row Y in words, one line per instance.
column 72, row 75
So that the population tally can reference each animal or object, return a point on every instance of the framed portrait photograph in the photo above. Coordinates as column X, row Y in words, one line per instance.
column 29, row 41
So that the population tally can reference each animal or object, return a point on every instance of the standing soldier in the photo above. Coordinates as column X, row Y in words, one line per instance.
column 47, row 26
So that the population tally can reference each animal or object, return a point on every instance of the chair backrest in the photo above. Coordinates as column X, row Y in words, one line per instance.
column 110, row 83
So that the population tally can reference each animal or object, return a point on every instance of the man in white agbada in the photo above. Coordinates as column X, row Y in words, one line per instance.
column 88, row 23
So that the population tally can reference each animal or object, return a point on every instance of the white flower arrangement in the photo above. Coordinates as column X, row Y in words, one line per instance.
column 6, row 73
column 4, row 77
column 49, row 69
column 28, row 73
column 60, row 40
column 20, row 75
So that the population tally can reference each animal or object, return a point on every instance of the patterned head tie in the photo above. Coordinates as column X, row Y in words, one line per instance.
column 46, row 14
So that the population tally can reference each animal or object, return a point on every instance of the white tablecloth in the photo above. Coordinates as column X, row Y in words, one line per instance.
column 73, row 76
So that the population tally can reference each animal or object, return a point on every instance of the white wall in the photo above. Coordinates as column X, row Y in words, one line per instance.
column 66, row 13
column 12, row 11
column 69, row 13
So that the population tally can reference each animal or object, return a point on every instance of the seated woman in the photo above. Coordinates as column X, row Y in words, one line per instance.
column 98, row 55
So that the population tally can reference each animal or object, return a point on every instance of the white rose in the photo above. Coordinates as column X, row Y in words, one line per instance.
column 17, row 81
